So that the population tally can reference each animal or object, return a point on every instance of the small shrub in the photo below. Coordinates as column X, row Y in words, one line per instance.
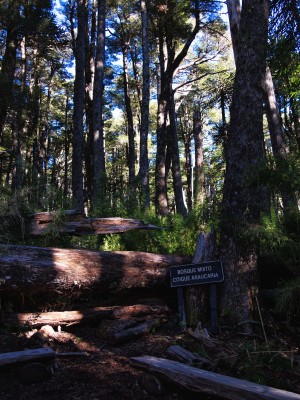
column 288, row 301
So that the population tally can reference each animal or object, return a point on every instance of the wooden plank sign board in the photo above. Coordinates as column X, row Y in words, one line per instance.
column 197, row 274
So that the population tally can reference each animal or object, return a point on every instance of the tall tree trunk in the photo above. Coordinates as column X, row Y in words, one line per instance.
column 98, row 145
column 164, row 106
column 144, row 160
column 79, row 102
column 89, row 79
column 243, row 196
column 161, row 197
column 66, row 152
column 272, row 111
column 186, row 137
column 234, row 15
column 129, row 117
column 277, row 141
column 7, row 72
column 18, row 135
column 199, row 158
column 176, row 172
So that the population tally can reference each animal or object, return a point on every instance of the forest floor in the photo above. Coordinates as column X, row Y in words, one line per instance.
column 105, row 371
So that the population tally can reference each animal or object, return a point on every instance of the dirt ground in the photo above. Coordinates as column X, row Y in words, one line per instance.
column 105, row 372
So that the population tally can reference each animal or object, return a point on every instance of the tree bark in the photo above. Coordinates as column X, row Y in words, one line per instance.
column 199, row 158
column 176, row 171
column 244, row 198
column 98, row 136
column 29, row 269
column 79, row 102
column 144, row 161
column 234, row 15
column 277, row 140
column 272, row 111
column 7, row 72
column 167, row 44
column 128, row 108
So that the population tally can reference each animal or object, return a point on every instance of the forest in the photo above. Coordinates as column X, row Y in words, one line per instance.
column 171, row 118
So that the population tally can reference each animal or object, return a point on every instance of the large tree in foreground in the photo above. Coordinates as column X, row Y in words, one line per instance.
column 79, row 103
column 244, row 198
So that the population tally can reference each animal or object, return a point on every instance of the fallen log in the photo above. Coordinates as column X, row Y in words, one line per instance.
column 74, row 223
column 119, row 332
column 34, row 269
column 198, row 380
column 25, row 355
column 65, row 318
column 43, row 353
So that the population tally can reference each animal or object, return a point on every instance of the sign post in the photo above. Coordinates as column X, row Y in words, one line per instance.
column 206, row 273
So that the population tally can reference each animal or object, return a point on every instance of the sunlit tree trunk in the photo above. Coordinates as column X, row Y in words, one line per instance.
column 144, row 160
column 199, row 157
column 168, row 63
column 89, row 79
column 176, row 171
column 129, row 117
column 187, row 137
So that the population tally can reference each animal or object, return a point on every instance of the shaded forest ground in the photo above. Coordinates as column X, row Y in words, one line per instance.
column 105, row 372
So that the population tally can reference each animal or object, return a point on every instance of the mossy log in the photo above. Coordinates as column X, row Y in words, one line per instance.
column 30, row 269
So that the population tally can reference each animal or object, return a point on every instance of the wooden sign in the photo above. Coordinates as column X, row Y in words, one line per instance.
column 197, row 274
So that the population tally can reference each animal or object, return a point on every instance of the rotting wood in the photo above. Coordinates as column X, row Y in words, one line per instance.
column 131, row 329
column 35, row 269
column 92, row 315
column 77, row 224
column 180, row 354
column 201, row 381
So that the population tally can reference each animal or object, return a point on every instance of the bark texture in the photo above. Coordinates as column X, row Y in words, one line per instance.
column 144, row 161
column 34, row 269
column 244, row 198
column 79, row 103
column 98, row 134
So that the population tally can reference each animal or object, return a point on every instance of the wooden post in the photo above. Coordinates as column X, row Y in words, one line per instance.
column 197, row 297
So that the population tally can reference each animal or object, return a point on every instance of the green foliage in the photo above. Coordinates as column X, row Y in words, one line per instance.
column 177, row 235
column 255, row 362
column 14, row 210
column 54, row 235
column 288, row 301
